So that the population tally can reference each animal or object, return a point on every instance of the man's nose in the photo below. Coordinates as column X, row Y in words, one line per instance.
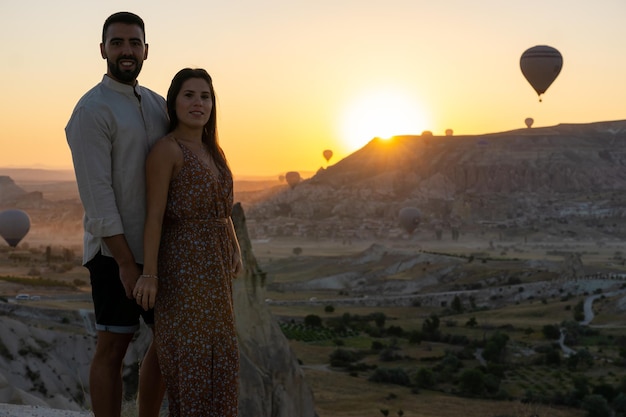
column 127, row 49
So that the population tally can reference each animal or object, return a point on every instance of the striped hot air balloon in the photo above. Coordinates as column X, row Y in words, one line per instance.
column 541, row 65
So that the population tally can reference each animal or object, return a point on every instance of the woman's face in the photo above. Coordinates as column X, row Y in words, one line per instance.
column 194, row 103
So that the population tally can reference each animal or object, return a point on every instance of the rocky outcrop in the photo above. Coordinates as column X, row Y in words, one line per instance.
column 272, row 382
column 9, row 191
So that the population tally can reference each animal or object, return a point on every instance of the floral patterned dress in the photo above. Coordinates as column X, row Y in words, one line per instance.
column 194, row 317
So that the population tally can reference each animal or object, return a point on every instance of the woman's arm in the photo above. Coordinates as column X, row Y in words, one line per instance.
column 160, row 168
column 237, row 263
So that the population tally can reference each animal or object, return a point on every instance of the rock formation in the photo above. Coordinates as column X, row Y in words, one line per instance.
column 9, row 191
column 272, row 383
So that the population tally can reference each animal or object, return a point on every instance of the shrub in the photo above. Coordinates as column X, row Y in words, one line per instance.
column 342, row 358
column 395, row 376
column 425, row 378
column 389, row 355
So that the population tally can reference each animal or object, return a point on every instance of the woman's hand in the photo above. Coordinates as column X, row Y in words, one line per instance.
column 237, row 264
column 145, row 291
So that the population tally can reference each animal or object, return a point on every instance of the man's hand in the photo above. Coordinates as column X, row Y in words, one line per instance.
column 129, row 273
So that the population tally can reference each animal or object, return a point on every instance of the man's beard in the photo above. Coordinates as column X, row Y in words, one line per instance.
column 122, row 75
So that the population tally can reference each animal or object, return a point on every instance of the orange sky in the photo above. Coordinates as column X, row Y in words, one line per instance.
column 295, row 78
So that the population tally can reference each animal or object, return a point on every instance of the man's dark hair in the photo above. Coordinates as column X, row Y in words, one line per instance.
column 123, row 17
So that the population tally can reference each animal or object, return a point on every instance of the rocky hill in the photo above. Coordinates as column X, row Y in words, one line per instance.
column 568, row 178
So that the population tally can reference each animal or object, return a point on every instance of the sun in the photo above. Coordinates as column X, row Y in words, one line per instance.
column 383, row 113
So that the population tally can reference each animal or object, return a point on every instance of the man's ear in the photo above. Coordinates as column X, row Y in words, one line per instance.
column 145, row 54
column 102, row 51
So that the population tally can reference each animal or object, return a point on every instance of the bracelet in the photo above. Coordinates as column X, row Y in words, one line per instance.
column 149, row 276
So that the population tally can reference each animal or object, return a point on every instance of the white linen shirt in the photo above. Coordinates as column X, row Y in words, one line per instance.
column 110, row 133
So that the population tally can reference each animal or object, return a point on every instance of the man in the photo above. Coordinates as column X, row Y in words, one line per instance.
column 110, row 132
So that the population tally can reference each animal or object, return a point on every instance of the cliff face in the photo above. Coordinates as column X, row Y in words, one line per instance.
column 521, row 178
column 272, row 383
column 45, row 354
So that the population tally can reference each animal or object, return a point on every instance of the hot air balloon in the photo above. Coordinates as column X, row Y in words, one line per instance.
column 327, row 154
column 409, row 218
column 293, row 178
column 529, row 122
column 541, row 65
column 14, row 224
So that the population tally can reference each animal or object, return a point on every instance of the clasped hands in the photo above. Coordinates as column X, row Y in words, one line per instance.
column 146, row 286
column 141, row 288
column 145, row 290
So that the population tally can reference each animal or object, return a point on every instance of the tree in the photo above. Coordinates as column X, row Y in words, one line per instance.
column 553, row 357
column 581, row 386
column 457, row 305
column 579, row 311
column 425, row 378
column 343, row 357
column 431, row 325
column 472, row 381
column 596, row 406
column 619, row 403
column 471, row 322
column 585, row 357
column 495, row 347
column 379, row 319
column 313, row 320
column 551, row 331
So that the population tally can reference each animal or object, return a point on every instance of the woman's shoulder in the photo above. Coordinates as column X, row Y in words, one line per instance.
column 166, row 143
column 166, row 147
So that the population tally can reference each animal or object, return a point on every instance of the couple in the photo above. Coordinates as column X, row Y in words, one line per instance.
column 159, row 242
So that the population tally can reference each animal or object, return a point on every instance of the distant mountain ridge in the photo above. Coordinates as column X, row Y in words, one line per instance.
column 518, row 160
column 531, row 179
column 516, row 178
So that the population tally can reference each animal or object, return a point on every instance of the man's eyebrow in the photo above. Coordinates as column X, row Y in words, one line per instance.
column 121, row 39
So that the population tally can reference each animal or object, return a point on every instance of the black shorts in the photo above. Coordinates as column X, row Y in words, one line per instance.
column 114, row 311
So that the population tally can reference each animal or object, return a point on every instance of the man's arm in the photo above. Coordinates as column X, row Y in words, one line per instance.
column 89, row 140
column 129, row 271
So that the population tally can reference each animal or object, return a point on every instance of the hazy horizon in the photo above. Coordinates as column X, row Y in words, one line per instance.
column 53, row 173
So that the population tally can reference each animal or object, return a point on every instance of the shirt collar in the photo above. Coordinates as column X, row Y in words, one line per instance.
column 121, row 87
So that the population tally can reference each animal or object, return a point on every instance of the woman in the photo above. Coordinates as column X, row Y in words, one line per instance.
column 190, row 244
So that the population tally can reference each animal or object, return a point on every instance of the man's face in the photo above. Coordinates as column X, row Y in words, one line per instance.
column 124, row 51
